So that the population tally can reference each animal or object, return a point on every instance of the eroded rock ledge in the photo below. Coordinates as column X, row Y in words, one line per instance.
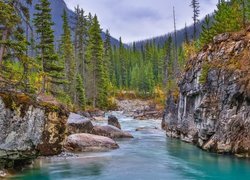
column 213, row 110
column 29, row 128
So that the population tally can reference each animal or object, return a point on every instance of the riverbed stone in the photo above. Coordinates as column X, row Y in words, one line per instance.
column 111, row 132
column 88, row 143
column 113, row 121
column 79, row 124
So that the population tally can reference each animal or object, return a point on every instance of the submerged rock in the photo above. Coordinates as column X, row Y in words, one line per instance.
column 147, row 129
column 113, row 121
column 89, row 143
column 29, row 128
column 111, row 132
column 213, row 111
column 79, row 124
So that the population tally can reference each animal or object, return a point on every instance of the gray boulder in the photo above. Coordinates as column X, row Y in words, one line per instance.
column 113, row 121
column 89, row 143
column 79, row 124
column 111, row 132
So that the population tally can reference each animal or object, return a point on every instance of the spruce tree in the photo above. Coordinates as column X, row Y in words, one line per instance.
column 206, row 34
column 95, row 53
column 80, row 92
column 67, row 54
column 108, row 60
column 123, row 64
column 186, row 34
column 196, row 11
column 167, row 61
column 14, row 44
column 80, row 42
column 46, row 55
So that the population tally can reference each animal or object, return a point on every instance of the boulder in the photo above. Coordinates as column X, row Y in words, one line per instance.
column 111, row 132
column 113, row 121
column 79, row 124
column 29, row 128
column 89, row 143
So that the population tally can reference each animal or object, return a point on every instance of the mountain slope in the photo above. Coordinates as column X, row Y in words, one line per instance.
column 57, row 7
column 161, row 40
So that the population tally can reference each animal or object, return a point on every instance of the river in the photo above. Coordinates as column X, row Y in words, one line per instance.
column 149, row 156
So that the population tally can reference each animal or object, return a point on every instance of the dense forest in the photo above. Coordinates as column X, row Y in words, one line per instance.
column 82, row 70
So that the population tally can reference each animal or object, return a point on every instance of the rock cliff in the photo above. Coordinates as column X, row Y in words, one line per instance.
column 29, row 128
column 213, row 110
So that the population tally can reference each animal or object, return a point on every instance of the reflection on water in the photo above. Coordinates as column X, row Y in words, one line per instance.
column 149, row 156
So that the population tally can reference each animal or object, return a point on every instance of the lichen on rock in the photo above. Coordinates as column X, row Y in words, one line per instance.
column 29, row 128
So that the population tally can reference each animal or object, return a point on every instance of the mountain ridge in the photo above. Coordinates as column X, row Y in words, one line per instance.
column 57, row 8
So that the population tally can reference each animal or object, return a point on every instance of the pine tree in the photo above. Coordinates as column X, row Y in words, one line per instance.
column 80, row 92
column 96, row 66
column 186, row 34
column 51, row 66
column 80, row 44
column 176, row 68
column 67, row 54
column 167, row 61
column 206, row 34
column 196, row 11
column 227, row 18
column 13, row 44
column 123, row 64
column 108, row 60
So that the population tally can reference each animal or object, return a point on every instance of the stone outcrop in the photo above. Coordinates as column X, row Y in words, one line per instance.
column 89, row 143
column 30, row 127
column 213, row 110
column 79, row 124
column 111, row 132
column 139, row 109
column 113, row 121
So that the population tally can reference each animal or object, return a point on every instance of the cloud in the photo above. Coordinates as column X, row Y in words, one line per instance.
column 140, row 19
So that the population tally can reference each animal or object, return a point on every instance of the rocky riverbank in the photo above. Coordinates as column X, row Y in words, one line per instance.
column 140, row 109
column 213, row 110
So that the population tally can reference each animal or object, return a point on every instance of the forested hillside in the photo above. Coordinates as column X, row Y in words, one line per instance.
column 81, row 69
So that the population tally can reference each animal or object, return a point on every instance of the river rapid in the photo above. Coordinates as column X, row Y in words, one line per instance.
column 150, row 155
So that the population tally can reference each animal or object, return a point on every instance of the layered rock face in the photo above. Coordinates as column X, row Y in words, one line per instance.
column 213, row 110
column 29, row 128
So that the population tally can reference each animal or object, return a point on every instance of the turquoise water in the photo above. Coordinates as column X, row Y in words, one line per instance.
column 149, row 156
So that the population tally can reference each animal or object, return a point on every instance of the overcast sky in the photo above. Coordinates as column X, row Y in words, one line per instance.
column 141, row 19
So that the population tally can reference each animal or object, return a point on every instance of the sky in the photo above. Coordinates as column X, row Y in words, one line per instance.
column 135, row 20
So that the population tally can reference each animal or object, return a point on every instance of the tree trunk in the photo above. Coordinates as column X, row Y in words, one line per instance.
column 2, row 48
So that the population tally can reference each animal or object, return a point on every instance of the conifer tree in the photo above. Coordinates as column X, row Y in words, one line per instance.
column 96, row 66
column 47, row 57
column 80, row 44
column 167, row 61
column 123, row 64
column 67, row 54
column 206, row 34
column 108, row 61
column 196, row 11
column 186, row 34
column 80, row 92
column 13, row 44
column 227, row 17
